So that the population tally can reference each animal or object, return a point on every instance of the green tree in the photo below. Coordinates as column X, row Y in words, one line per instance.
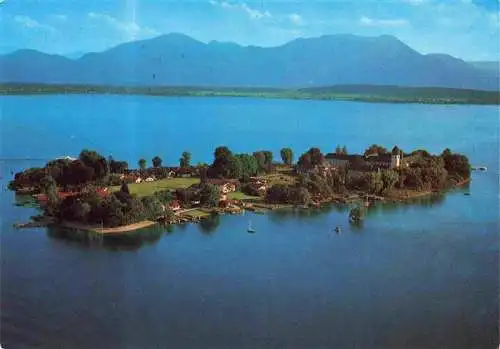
column 142, row 164
column 264, row 160
column 376, row 184
column 185, row 160
column 152, row 207
column 338, row 150
column 236, row 167
column 222, row 159
column 344, row 150
column 124, row 188
column 375, row 149
column 249, row 166
column 210, row 195
column 457, row 165
column 96, row 161
column 389, row 178
column 47, row 183
column 287, row 156
column 156, row 162
column 311, row 159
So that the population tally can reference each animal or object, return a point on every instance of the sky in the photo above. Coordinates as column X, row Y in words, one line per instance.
column 467, row 29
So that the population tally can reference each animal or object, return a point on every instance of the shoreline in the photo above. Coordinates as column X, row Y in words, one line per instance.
column 254, row 206
column 277, row 94
column 107, row 231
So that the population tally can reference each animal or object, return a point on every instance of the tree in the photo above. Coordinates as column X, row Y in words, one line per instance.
column 243, row 166
column 97, row 162
column 47, row 183
column 305, row 162
column 457, row 165
column 338, row 150
column 311, row 159
column 156, row 162
column 164, row 196
column 185, row 160
column 264, row 160
column 203, row 174
column 287, row 156
column 79, row 173
column 142, row 164
column 389, row 178
column 152, row 207
column 210, row 195
column 221, row 165
column 376, row 185
column 235, row 167
column 260, row 158
column 124, row 188
column 117, row 166
column 344, row 150
column 53, row 201
column 375, row 149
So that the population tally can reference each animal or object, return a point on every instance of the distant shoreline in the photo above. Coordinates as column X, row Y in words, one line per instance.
column 354, row 93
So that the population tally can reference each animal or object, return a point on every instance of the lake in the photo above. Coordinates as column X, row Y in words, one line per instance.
column 420, row 275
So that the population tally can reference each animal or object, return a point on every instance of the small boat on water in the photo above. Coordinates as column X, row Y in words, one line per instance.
column 466, row 194
column 338, row 230
column 250, row 229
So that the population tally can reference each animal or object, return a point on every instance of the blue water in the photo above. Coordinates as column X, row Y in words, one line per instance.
column 421, row 275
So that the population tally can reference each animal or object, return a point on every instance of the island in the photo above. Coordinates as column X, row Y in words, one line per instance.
column 104, row 195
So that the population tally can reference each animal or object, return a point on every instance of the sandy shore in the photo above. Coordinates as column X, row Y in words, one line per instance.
column 116, row 230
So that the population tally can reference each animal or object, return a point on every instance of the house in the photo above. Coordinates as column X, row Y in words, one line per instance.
column 359, row 162
column 175, row 205
column 149, row 179
column 338, row 161
column 225, row 185
column 138, row 180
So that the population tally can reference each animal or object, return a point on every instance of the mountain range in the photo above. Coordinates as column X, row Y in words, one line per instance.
column 179, row 60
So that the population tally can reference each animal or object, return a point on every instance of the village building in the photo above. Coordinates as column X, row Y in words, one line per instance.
column 175, row 205
column 368, row 162
column 225, row 185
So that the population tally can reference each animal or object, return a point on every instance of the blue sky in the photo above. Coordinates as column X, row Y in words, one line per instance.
column 468, row 29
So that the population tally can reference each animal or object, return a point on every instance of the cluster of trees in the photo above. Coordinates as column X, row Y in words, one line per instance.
column 341, row 150
column 207, row 194
column 310, row 159
column 90, row 167
column 282, row 193
column 184, row 161
column 375, row 149
column 239, row 166
column 242, row 166
column 119, row 208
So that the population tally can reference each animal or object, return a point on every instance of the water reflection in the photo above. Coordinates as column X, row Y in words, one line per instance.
column 209, row 225
column 25, row 200
column 119, row 242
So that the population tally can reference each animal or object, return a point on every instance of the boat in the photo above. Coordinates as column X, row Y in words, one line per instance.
column 338, row 230
column 467, row 194
column 482, row 168
column 250, row 229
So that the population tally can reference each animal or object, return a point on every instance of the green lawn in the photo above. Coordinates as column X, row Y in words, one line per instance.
column 238, row 195
column 148, row 188
column 197, row 213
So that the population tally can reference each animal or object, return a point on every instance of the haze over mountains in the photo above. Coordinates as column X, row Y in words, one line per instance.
column 176, row 59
